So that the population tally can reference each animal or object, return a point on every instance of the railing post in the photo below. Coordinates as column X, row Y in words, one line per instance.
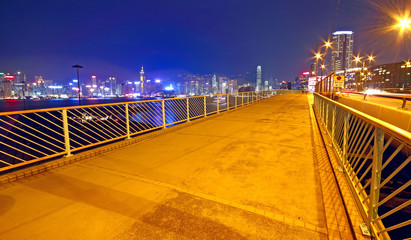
column 345, row 139
column 242, row 99
column 205, row 106
column 127, row 122
column 164, row 113
column 66, row 133
column 326, row 115
column 235, row 99
column 404, row 102
column 375, row 175
column 228, row 102
column 188, row 110
column 218, row 103
column 334, row 110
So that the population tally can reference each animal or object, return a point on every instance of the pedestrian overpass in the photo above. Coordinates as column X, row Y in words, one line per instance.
column 258, row 165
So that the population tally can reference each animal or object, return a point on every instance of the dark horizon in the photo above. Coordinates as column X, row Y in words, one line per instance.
column 115, row 39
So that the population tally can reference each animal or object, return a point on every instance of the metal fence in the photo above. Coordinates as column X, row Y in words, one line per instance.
column 375, row 158
column 35, row 135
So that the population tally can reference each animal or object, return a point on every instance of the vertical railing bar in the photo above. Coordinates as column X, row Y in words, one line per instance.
column 242, row 99
column 346, row 130
column 228, row 102
column 188, row 110
column 164, row 113
column 127, row 122
column 66, row 133
column 205, row 106
column 218, row 103
column 375, row 176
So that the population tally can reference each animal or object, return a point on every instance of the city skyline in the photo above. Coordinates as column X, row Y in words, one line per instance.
column 106, row 38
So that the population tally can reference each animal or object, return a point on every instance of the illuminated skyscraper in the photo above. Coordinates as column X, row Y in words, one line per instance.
column 142, row 80
column 94, row 80
column 214, row 84
column 342, row 50
column 258, row 87
column 113, row 85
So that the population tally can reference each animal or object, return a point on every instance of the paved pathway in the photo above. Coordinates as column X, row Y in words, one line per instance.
column 248, row 174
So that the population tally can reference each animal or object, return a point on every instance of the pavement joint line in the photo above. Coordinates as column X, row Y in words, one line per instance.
column 136, row 139
column 272, row 216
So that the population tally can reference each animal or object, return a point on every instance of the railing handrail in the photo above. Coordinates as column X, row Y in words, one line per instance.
column 399, row 133
column 111, row 104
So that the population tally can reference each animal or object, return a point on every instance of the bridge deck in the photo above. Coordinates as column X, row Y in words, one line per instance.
column 248, row 174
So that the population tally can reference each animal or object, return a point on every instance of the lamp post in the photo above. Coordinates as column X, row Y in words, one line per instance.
column 357, row 59
column 78, row 82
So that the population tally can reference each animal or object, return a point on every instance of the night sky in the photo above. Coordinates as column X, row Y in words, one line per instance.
column 114, row 38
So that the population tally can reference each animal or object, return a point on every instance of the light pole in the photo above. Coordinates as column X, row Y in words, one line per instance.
column 78, row 82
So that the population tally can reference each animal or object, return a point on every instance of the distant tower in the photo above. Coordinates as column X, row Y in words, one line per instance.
column 214, row 84
column 94, row 80
column 342, row 50
column 142, row 80
column 113, row 85
column 258, row 78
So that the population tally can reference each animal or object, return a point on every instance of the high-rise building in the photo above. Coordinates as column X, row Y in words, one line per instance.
column 214, row 84
column 94, row 80
column 142, row 80
column 342, row 50
column 113, row 85
column 258, row 78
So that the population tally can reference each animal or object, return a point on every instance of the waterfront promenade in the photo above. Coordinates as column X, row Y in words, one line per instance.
column 252, row 173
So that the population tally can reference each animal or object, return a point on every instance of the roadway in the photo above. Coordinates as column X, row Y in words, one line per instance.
column 381, row 100
column 247, row 174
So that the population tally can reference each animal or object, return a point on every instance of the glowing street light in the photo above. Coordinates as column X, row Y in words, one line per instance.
column 317, row 56
column 327, row 44
column 404, row 23
column 370, row 59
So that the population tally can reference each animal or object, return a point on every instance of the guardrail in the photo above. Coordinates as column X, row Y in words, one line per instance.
column 375, row 157
column 404, row 98
column 31, row 136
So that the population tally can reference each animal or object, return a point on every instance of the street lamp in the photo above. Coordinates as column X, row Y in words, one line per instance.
column 404, row 23
column 78, row 82
column 317, row 56
column 370, row 58
column 357, row 59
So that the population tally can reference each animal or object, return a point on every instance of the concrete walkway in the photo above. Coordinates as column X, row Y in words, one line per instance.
column 248, row 174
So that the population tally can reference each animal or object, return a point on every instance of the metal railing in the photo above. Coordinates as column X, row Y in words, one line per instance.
column 374, row 157
column 31, row 136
